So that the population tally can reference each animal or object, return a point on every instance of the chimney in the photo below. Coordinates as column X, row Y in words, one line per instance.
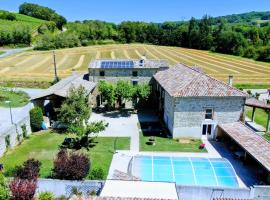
column 73, row 72
column 230, row 81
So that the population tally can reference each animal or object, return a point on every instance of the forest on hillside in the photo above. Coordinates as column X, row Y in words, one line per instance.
column 245, row 34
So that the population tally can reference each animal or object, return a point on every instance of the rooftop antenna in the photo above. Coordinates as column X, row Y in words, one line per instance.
column 56, row 78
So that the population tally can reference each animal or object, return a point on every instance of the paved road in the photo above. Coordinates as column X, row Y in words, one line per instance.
column 9, row 52
column 17, row 113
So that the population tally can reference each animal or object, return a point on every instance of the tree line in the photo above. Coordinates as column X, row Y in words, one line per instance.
column 234, row 34
column 206, row 34
column 41, row 12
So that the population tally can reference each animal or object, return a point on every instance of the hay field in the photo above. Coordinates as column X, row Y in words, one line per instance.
column 38, row 65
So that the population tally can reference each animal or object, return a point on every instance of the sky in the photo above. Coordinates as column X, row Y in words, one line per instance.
column 143, row 10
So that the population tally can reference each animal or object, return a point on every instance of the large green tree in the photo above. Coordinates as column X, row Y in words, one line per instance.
column 124, row 91
column 75, row 110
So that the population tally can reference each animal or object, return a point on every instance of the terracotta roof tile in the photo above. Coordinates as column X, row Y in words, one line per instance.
column 253, row 143
column 183, row 81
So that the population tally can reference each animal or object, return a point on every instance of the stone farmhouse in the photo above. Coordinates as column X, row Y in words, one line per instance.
column 191, row 103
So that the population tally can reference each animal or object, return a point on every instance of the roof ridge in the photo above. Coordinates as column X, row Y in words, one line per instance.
column 68, row 80
column 204, row 74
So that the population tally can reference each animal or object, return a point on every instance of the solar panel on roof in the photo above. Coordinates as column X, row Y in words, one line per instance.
column 117, row 64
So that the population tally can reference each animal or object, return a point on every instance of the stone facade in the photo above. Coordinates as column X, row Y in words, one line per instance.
column 144, row 75
column 185, row 116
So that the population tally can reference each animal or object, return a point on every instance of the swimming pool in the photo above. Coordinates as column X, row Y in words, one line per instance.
column 184, row 170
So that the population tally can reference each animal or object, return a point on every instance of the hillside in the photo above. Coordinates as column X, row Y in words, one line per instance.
column 21, row 20
column 250, row 18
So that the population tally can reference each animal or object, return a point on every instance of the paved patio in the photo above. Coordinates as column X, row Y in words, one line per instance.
column 120, row 125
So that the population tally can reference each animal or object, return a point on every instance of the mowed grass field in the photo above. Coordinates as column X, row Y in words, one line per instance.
column 38, row 65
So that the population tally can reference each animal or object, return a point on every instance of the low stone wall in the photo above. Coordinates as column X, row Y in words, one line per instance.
column 12, row 135
column 65, row 187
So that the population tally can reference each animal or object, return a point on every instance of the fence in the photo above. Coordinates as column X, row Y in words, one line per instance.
column 12, row 135
column 65, row 187
column 210, row 193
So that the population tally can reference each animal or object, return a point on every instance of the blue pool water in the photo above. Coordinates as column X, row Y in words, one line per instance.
column 184, row 170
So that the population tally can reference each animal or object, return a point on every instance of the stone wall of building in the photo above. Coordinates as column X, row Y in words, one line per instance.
column 189, row 113
column 169, row 111
column 14, row 134
column 113, row 75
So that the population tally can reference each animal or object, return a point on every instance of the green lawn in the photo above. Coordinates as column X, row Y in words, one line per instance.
column 44, row 146
column 1, row 52
column 267, row 136
column 170, row 145
column 17, row 98
column 261, row 116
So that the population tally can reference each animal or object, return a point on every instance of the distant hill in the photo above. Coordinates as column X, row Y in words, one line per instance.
column 20, row 20
column 250, row 18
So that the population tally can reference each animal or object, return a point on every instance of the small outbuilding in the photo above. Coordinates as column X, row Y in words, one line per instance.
column 52, row 98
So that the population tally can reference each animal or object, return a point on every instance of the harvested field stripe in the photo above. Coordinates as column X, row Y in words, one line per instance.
column 150, row 53
column 138, row 53
column 62, row 61
column 80, row 62
column 98, row 55
column 25, row 60
column 112, row 55
column 5, row 70
column 220, row 63
column 126, row 54
column 47, row 58
column 203, row 66
column 6, row 59
column 168, row 57
column 229, row 60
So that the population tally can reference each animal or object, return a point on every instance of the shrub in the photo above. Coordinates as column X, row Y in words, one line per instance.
column 36, row 118
column 24, row 131
column 7, row 141
column 22, row 189
column 257, row 95
column 45, row 196
column 97, row 174
column 76, row 191
column 71, row 165
column 29, row 170
column 4, row 192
